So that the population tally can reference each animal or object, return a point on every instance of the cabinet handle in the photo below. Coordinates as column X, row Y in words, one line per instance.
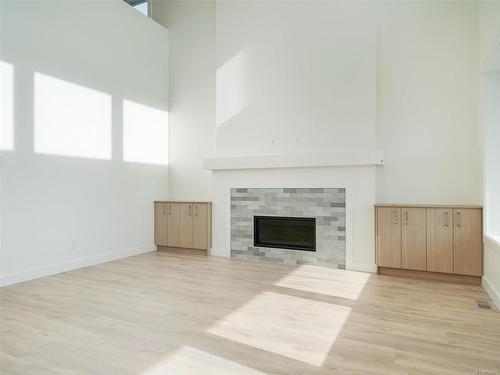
column 446, row 219
column 195, row 210
column 164, row 209
column 459, row 219
column 189, row 210
column 169, row 210
column 405, row 217
column 395, row 217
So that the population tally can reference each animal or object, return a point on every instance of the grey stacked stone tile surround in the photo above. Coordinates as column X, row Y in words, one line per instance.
column 326, row 205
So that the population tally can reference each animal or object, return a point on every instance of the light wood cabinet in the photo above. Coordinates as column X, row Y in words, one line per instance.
column 186, row 232
column 439, row 240
column 174, row 224
column 467, row 242
column 183, row 225
column 413, row 240
column 201, row 226
column 389, row 237
column 161, row 224
column 430, row 241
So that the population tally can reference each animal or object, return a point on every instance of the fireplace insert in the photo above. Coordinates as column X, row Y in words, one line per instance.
column 296, row 233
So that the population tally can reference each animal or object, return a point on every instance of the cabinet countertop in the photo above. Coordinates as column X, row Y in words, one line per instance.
column 195, row 202
column 428, row 205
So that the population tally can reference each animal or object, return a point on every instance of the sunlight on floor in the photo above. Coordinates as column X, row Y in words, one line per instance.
column 331, row 282
column 290, row 326
column 189, row 360
column 6, row 106
column 70, row 119
column 145, row 134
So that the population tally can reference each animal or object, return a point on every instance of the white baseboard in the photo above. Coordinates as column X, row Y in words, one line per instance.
column 220, row 253
column 52, row 269
column 362, row 267
column 492, row 292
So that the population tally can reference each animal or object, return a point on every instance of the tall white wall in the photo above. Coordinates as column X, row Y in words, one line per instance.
column 489, row 58
column 427, row 103
column 295, row 76
column 59, row 212
column 192, row 118
column 491, row 121
column 391, row 75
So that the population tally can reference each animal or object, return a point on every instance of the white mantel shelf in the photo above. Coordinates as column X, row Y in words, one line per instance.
column 326, row 159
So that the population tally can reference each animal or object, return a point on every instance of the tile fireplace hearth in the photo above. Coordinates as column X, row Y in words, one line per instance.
column 318, row 214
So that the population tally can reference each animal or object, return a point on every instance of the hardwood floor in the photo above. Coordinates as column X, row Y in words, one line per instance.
column 174, row 313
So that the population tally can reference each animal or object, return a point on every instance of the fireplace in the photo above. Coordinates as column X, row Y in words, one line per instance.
column 300, row 226
column 295, row 233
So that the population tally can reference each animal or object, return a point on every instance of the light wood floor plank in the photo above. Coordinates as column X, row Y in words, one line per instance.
column 176, row 313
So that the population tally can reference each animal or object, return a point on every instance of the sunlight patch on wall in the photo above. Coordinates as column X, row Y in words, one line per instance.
column 71, row 120
column 232, row 87
column 335, row 283
column 297, row 328
column 6, row 106
column 189, row 360
column 145, row 134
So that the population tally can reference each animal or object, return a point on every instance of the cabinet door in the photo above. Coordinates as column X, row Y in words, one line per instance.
column 389, row 237
column 200, row 226
column 174, row 224
column 467, row 241
column 186, row 225
column 413, row 239
column 161, row 224
column 440, row 240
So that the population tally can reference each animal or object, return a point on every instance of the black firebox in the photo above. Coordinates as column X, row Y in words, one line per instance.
column 296, row 233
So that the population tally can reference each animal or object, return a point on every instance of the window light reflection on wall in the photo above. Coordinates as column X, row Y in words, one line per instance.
column 70, row 119
column 145, row 134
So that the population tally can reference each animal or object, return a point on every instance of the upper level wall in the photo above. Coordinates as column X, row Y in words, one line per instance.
column 324, row 76
column 489, row 42
column 192, row 81
column 295, row 77
column 61, row 212
column 427, row 103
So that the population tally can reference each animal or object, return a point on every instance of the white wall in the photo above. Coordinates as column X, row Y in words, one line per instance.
column 491, row 278
column 489, row 28
column 489, row 43
column 427, row 103
column 491, row 121
column 192, row 119
column 295, row 77
column 397, row 78
column 60, row 212
column 489, row 58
